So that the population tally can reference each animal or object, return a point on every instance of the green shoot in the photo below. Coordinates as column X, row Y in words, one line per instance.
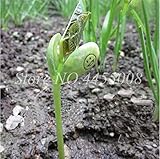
column 120, row 32
column 64, row 61
column 149, row 55
column 57, row 102
column 93, row 25
column 104, row 6
column 19, row 10
column 90, row 31
column 4, row 16
column 157, row 30
column 79, row 62
column 64, row 7
column 149, row 44
column 106, row 31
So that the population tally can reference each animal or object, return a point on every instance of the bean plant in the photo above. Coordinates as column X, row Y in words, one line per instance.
column 65, row 57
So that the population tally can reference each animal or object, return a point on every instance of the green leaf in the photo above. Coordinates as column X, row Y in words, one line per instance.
column 106, row 30
column 53, row 52
column 81, row 61
column 120, row 33
column 148, row 57
column 157, row 30
column 151, row 51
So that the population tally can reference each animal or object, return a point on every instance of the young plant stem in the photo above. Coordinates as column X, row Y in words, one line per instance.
column 56, row 87
column 120, row 33
column 148, row 71
column 106, row 33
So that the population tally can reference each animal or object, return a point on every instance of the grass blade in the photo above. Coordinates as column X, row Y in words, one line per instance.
column 92, row 25
column 150, row 49
column 29, row 10
column 4, row 16
column 147, row 70
column 95, row 14
column 106, row 31
column 157, row 31
column 147, row 62
column 120, row 33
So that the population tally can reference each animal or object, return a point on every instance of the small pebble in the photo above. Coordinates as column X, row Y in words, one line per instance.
column 122, row 53
column 13, row 102
column 154, row 145
column 125, row 93
column 66, row 152
column 79, row 126
column 154, row 81
column 91, row 85
column 2, row 87
column 141, row 55
column 108, row 97
column 1, row 127
column 117, row 111
column 141, row 102
column 149, row 147
column 39, row 70
column 36, row 90
column 111, row 105
column 96, row 109
column 111, row 82
column 1, row 148
column 16, row 110
column 13, row 121
column 115, row 74
column 127, row 135
column 111, row 134
column 101, row 85
column 16, row 34
column 41, row 42
column 83, row 100
column 96, row 90
column 28, row 36
column 19, row 69
column 33, row 137
column 43, row 141
column 34, row 122
column 75, row 135
column 12, row 72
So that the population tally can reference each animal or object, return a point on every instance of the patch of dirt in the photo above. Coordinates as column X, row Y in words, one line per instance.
column 94, row 127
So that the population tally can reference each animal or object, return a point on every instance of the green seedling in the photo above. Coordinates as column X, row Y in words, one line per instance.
column 106, row 32
column 4, row 16
column 93, row 23
column 19, row 10
column 120, row 32
column 64, row 59
column 114, row 8
column 63, row 7
column 150, row 51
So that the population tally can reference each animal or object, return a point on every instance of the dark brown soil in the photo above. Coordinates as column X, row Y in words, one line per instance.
column 94, row 128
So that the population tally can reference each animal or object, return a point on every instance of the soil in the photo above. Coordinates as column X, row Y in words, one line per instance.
column 94, row 127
